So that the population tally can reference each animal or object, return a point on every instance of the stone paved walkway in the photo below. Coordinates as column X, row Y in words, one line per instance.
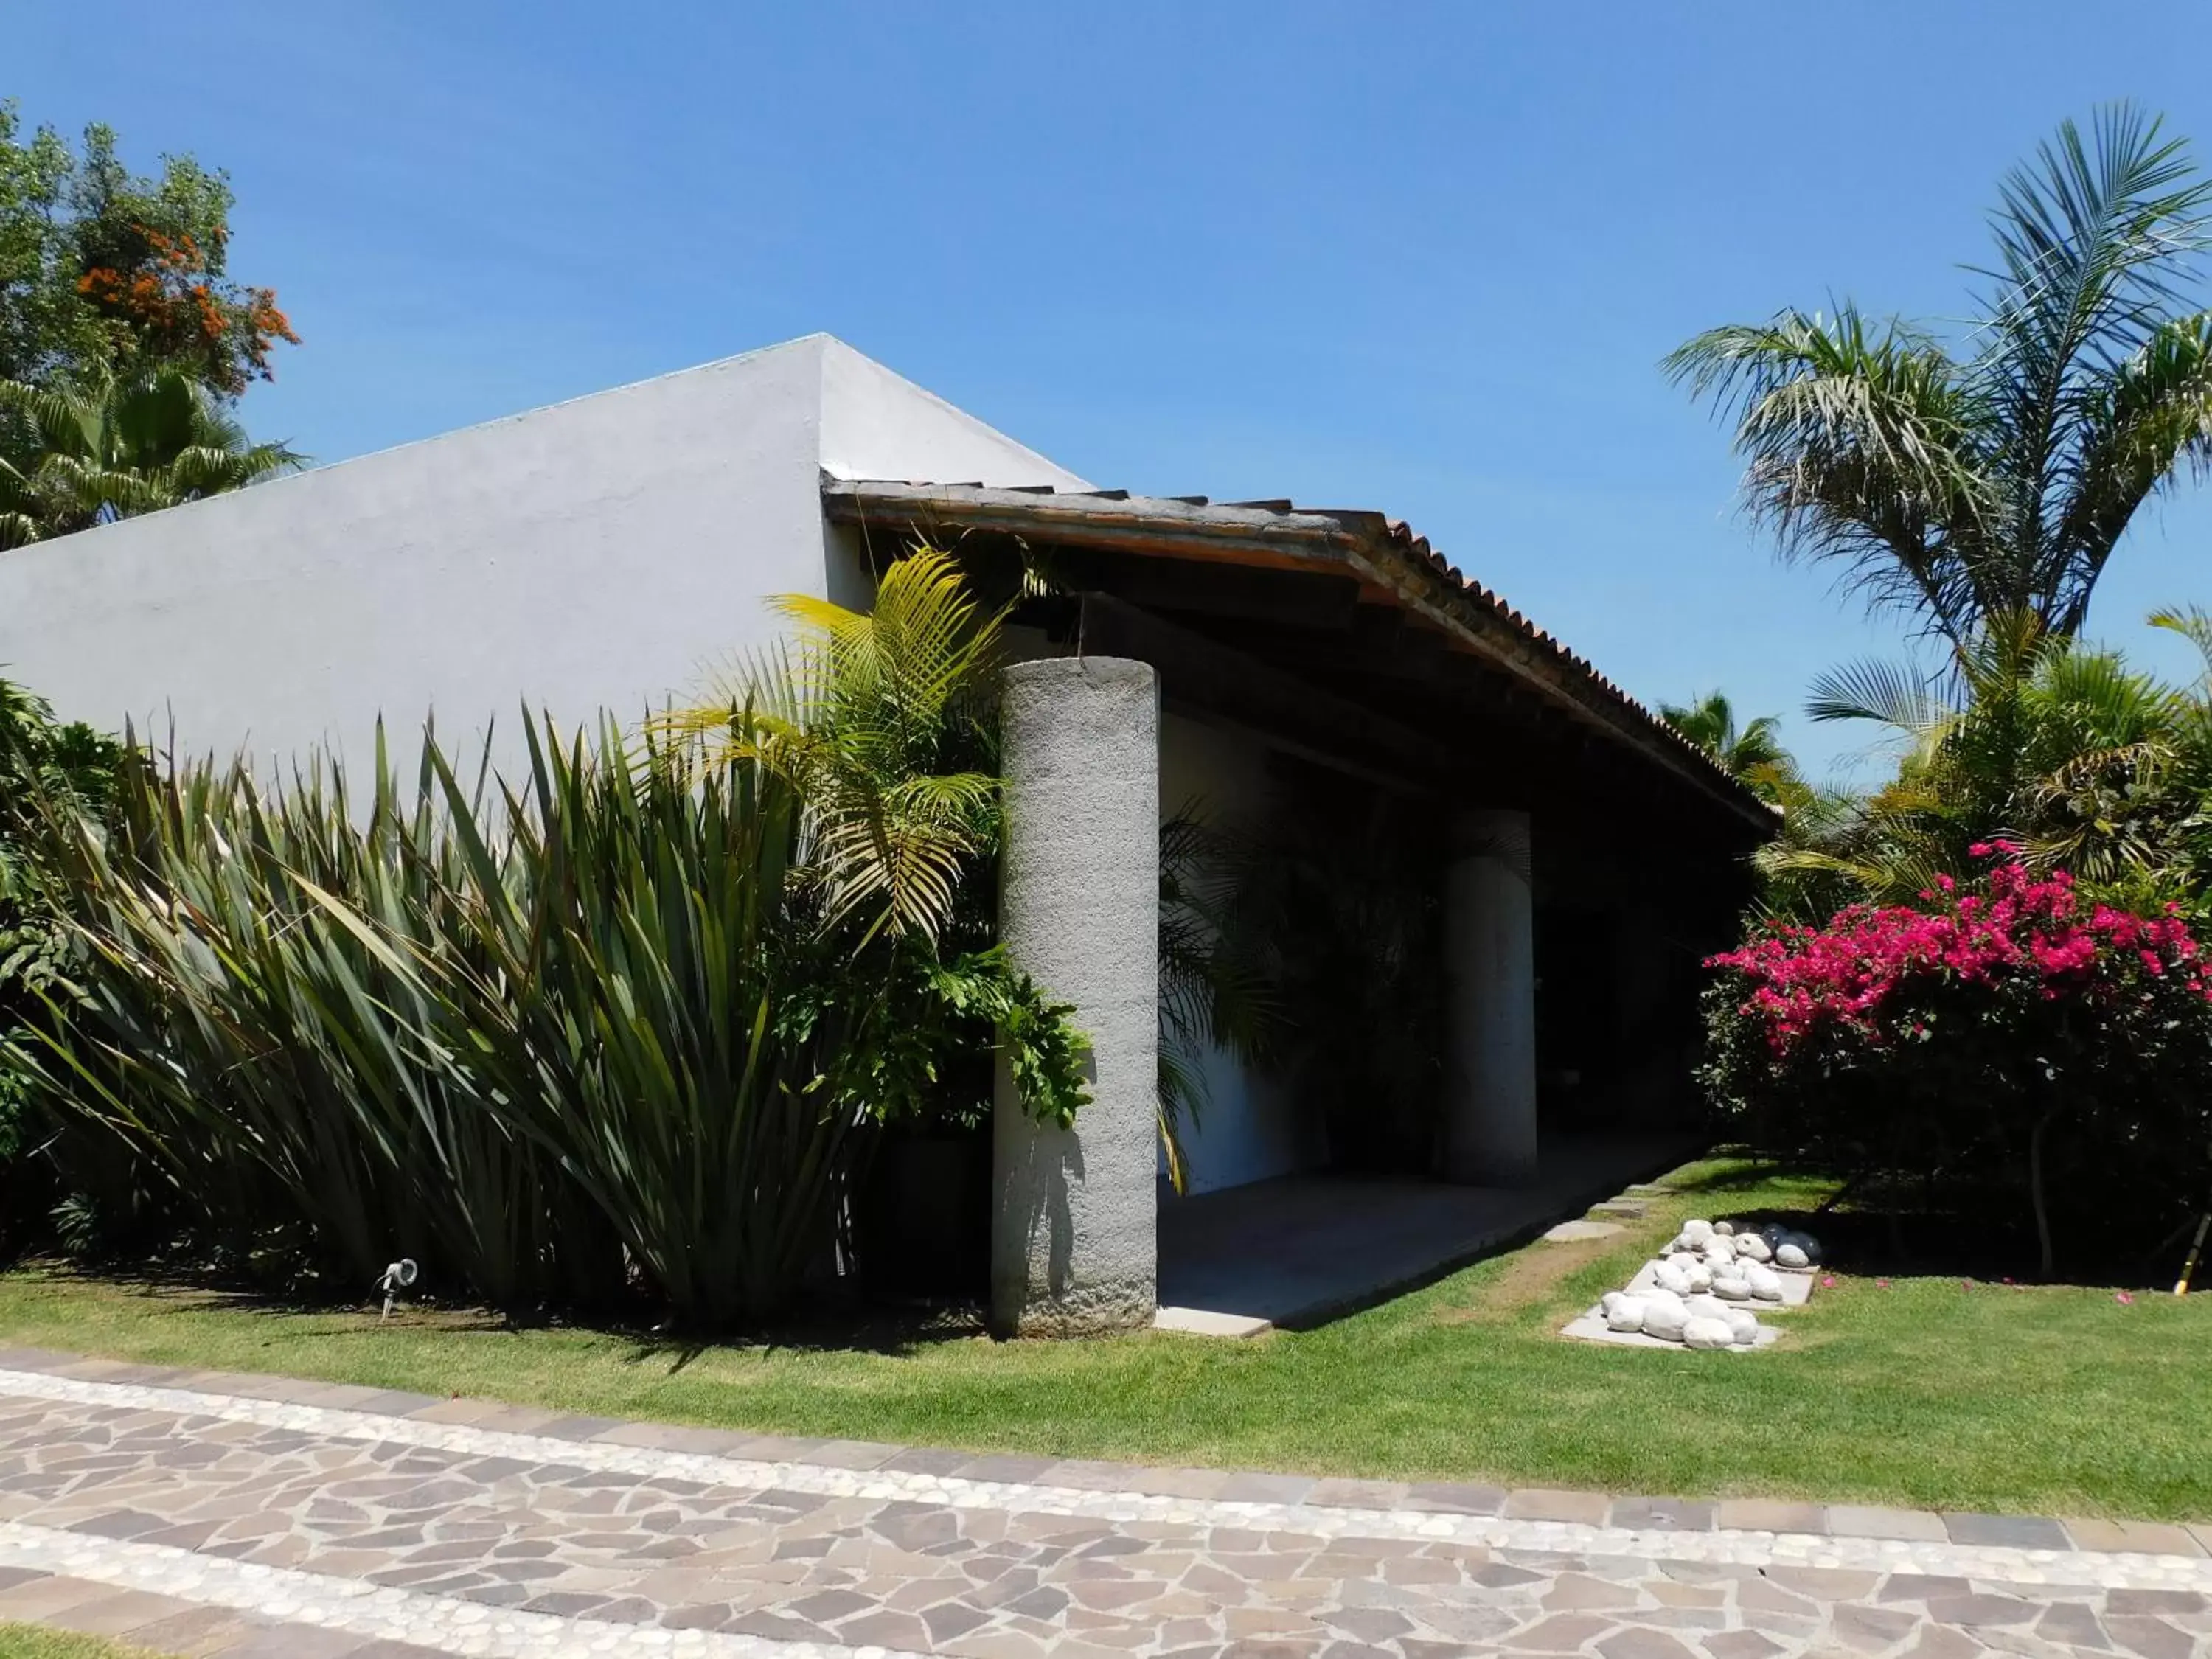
column 198, row 1513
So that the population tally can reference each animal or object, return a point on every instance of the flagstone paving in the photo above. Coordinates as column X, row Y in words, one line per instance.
column 197, row 1513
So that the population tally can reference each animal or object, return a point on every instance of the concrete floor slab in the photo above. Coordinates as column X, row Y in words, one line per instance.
column 1299, row 1248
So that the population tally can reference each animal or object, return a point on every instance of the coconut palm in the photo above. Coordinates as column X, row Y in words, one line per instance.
column 1992, row 476
column 71, row 458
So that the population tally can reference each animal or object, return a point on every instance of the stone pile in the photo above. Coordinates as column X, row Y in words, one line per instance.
column 1703, row 1290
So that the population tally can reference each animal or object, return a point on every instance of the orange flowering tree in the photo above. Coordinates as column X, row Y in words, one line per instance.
column 108, row 275
column 167, row 302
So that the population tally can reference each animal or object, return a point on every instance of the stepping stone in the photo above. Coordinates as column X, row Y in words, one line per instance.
column 1571, row 1232
column 1625, row 1209
column 1199, row 1322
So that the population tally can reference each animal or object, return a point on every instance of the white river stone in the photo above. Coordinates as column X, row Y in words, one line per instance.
column 1708, row 1333
column 1664, row 1319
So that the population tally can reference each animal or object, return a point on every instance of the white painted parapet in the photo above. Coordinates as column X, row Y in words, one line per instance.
column 1073, row 1246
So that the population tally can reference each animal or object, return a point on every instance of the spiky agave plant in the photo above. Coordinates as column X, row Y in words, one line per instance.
column 250, row 1009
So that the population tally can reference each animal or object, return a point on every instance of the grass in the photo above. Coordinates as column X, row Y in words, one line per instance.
column 34, row 1642
column 1925, row 1392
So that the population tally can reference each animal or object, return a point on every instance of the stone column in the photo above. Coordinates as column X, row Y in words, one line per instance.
column 1490, row 1003
column 1073, row 1249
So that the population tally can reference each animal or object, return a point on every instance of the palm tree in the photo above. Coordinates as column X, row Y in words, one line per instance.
column 71, row 458
column 1996, row 480
column 1751, row 755
column 880, row 721
column 2036, row 737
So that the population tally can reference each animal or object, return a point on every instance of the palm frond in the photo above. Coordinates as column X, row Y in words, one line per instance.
column 2150, row 416
column 2194, row 623
column 1999, row 480
column 1897, row 695
column 1858, row 440
column 116, row 447
column 860, row 711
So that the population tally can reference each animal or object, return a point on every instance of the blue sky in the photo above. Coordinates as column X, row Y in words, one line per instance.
column 1422, row 259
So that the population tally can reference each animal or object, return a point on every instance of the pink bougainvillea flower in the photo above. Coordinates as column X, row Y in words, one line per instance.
column 1881, row 1283
column 2124, row 1299
column 1965, row 1284
column 1810, row 985
column 1828, row 1281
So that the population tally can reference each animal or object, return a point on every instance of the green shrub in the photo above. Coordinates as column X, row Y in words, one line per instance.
column 41, row 759
column 2007, row 1034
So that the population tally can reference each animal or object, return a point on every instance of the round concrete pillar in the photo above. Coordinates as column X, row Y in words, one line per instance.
column 1490, row 1003
column 1073, row 1249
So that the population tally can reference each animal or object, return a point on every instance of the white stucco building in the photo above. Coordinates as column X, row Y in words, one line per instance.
column 609, row 552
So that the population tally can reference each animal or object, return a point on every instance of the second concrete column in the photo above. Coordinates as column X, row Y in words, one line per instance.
column 1490, row 1003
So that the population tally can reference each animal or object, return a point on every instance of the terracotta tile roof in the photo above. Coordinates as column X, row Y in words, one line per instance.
column 1385, row 553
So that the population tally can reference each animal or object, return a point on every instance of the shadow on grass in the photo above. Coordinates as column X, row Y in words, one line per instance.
column 855, row 1326
column 1882, row 1235
column 1903, row 1229
column 889, row 1331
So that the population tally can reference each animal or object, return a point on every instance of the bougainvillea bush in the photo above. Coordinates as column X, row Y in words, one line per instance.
column 2009, row 1033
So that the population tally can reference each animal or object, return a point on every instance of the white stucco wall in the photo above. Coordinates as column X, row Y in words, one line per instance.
column 876, row 425
column 605, row 552
column 1248, row 1130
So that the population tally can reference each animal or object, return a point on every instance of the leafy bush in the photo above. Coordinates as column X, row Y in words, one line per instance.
column 41, row 759
column 1998, row 1033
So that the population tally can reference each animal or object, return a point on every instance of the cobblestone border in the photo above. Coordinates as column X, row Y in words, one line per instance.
column 1658, row 1529
column 284, row 1595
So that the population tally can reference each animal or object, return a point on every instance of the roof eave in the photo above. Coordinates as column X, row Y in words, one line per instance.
column 1385, row 557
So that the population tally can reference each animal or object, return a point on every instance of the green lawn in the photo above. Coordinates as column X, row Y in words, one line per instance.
column 1926, row 1392
column 31, row 1641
